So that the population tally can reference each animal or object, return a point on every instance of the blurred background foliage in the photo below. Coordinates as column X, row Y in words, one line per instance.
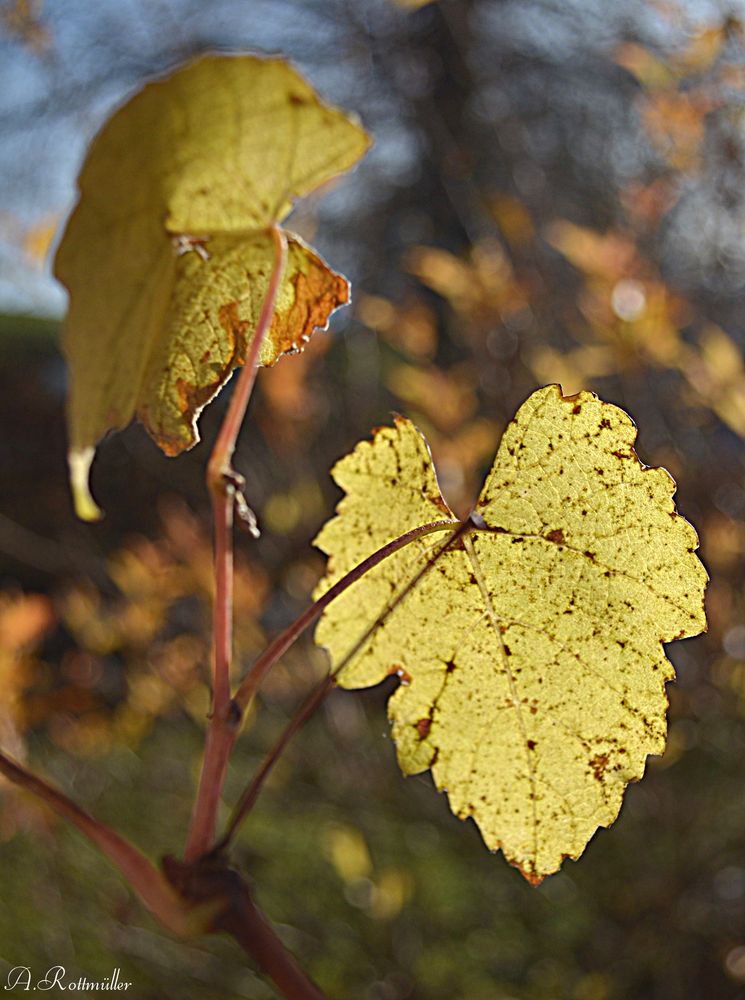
column 556, row 195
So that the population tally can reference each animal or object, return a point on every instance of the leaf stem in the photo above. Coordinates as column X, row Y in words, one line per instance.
column 219, row 464
column 279, row 646
column 225, row 488
column 314, row 699
column 223, row 902
column 250, row 795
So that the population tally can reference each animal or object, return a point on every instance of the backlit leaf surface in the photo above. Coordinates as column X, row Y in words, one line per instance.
column 167, row 255
column 530, row 655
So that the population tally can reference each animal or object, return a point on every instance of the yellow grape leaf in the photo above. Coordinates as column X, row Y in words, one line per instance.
column 167, row 255
column 533, row 672
column 654, row 74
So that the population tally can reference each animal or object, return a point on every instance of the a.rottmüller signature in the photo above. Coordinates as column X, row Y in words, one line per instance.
column 21, row 980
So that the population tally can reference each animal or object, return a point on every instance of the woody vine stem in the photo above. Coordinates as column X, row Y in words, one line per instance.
column 195, row 874
column 202, row 893
column 225, row 487
column 207, row 879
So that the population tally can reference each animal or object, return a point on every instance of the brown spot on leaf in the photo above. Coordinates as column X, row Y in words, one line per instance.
column 599, row 765
column 423, row 727
column 437, row 500
column 192, row 398
column 557, row 535
column 235, row 328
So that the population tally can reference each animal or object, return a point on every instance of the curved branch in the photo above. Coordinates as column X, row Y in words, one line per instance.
column 141, row 874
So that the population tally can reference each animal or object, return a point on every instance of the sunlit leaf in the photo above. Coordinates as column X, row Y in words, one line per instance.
column 447, row 398
column 167, row 255
column 533, row 672
column 24, row 620
column 653, row 73
column 715, row 370
column 605, row 255
column 412, row 4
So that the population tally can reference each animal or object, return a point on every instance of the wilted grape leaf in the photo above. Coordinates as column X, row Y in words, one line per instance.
column 530, row 655
column 167, row 255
